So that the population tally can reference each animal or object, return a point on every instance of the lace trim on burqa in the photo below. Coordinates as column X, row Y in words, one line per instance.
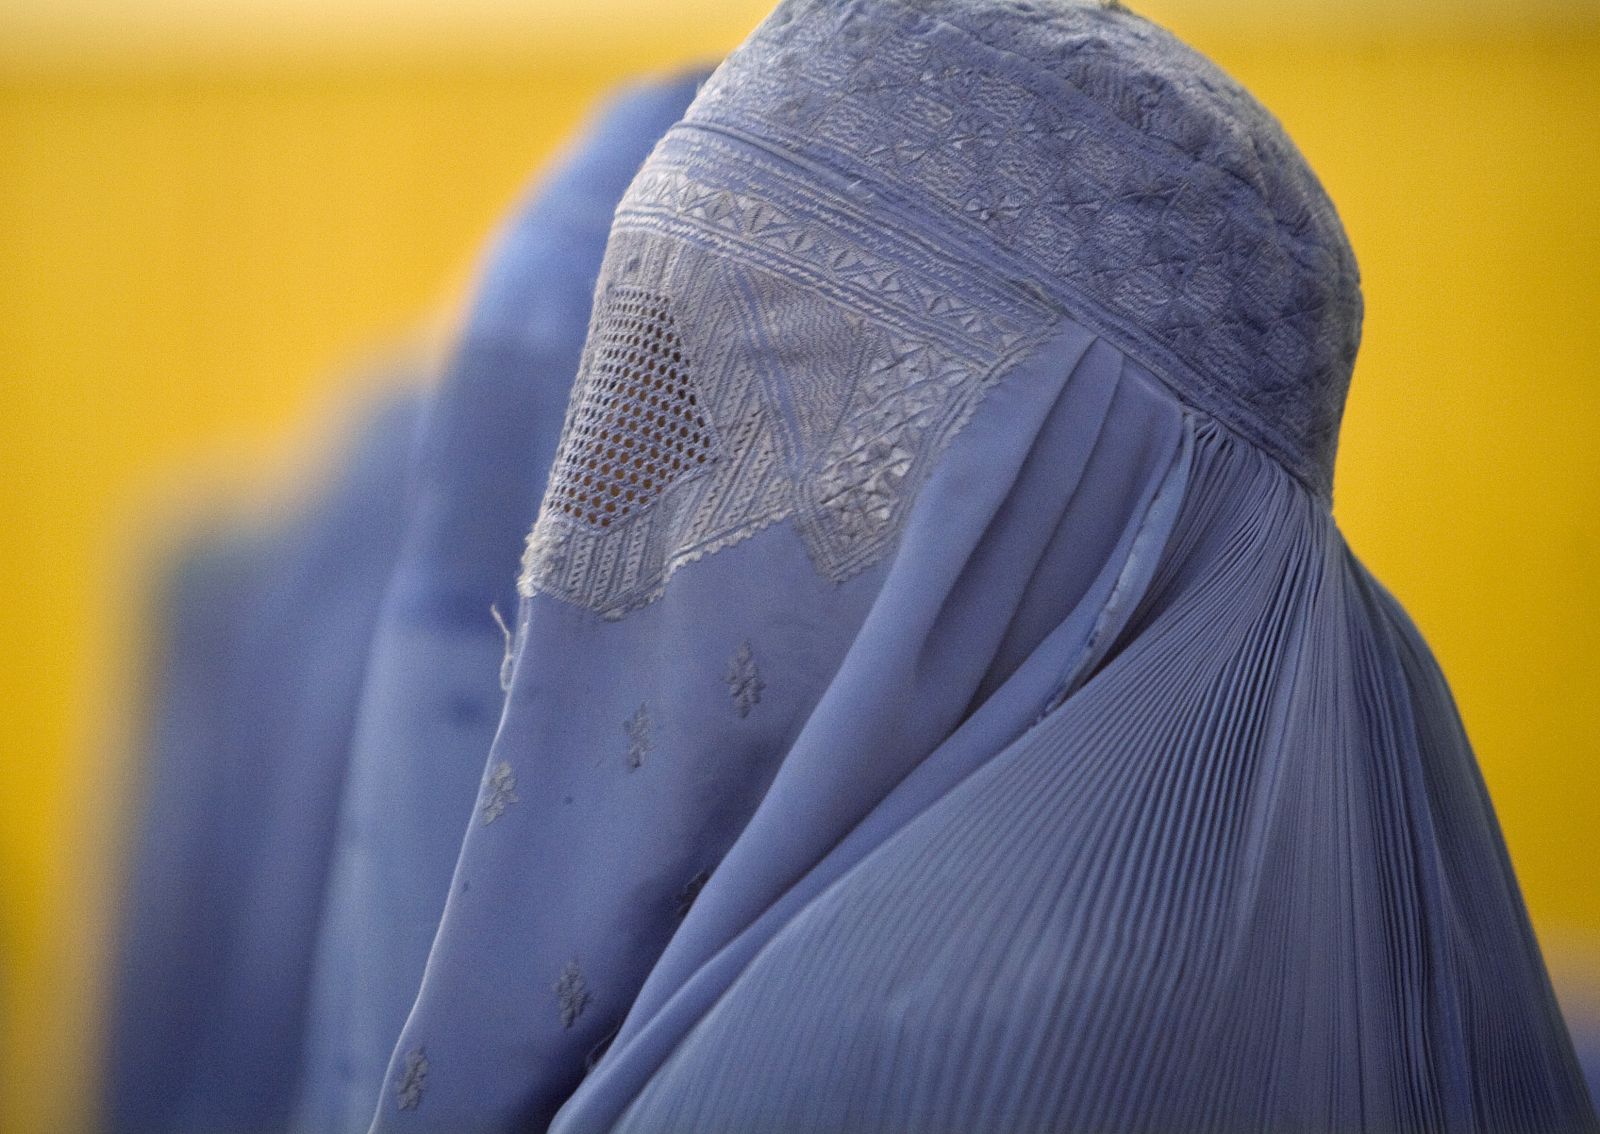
column 829, row 360
column 1120, row 169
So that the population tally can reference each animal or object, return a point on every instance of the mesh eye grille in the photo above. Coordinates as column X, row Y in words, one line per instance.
column 638, row 425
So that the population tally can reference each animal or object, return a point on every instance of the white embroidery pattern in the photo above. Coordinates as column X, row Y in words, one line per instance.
column 501, row 792
column 413, row 1078
column 830, row 358
column 572, row 994
column 637, row 728
column 744, row 680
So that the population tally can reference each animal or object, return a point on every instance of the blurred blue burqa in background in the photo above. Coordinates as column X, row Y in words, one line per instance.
column 943, row 700
column 328, row 690
column 258, row 677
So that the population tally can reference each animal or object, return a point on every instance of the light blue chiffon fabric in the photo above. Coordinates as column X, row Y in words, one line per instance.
column 242, row 767
column 942, row 698
column 432, row 692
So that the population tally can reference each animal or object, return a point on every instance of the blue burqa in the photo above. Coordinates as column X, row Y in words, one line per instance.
column 432, row 689
column 942, row 698
column 239, row 779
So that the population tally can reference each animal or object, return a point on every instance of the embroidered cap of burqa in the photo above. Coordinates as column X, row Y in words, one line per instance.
column 944, row 700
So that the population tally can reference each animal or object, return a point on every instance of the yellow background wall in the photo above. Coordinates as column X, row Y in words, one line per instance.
column 208, row 212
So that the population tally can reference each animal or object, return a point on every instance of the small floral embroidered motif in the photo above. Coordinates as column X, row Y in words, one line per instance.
column 744, row 681
column 992, row 206
column 502, row 792
column 691, row 891
column 572, row 994
column 413, row 1077
column 638, row 729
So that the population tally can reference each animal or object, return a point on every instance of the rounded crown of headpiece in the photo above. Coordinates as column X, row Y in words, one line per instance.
column 1097, row 158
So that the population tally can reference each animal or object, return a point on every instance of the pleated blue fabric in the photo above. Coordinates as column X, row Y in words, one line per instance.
column 1586, row 1038
column 432, row 694
column 942, row 699
column 240, row 774
column 1243, row 878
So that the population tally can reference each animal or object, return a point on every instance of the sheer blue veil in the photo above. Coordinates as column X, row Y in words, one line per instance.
column 432, row 690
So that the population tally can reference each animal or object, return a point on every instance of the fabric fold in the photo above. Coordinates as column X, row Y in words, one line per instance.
column 1106, row 925
column 852, row 696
